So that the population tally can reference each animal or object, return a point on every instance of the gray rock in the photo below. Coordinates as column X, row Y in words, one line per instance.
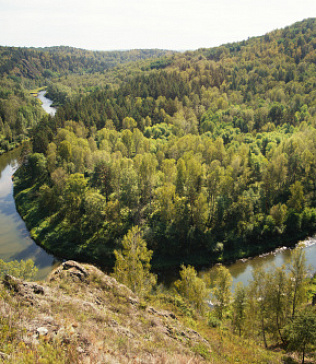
column 41, row 331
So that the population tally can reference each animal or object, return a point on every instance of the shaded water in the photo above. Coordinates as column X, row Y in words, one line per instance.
column 15, row 240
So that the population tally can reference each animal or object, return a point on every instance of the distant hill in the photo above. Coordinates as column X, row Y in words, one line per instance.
column 37, row 63
column 67, row 71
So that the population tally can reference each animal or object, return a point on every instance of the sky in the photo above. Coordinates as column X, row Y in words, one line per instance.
column 130, row 24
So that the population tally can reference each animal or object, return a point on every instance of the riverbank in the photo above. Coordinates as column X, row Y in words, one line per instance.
column 50, row 232
column 35, row 91
column 12, row 146
column 69, row 240
column 15, row 240
column 47, row 104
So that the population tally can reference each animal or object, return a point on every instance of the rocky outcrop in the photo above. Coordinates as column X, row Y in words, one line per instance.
column 84, row 310
column 23, row 288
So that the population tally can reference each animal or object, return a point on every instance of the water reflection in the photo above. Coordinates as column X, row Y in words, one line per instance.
column 15, row 240
column 241, row 271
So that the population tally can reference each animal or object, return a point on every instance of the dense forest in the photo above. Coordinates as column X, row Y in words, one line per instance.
column 211, row 152
column 36, row 63
column 19, row 112
column 163, row 159
column 24, row 70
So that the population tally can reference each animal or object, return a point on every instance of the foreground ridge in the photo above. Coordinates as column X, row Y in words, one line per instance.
column 83, row 311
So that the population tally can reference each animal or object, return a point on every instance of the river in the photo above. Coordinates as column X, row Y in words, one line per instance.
column 16, row 243
column 46, row 103
column 241, row 271
column 15, row 240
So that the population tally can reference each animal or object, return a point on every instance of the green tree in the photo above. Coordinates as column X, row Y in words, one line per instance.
column 37, row 164
column 65, row 150
column 222, row 289
column 73, row 196
column 129, row 123
column 257, row 300
column 192, row 287
column 94, row 210
column 20, row 126
column 132, row 265
column 298, row 275
column 25, row 269
column 41, row 135
column 279, row 294
column 278, row 213
column 51, row 157
column 101, row 177
column 8, row 132
column 181, row 177
column 297, row 199
column 127, row 139
column 301, row 332
column 239, row 307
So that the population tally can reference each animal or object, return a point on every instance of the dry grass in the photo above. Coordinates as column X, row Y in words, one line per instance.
column 87, row 317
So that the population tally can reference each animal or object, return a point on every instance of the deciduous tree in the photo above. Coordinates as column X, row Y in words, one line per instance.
column 132, row 265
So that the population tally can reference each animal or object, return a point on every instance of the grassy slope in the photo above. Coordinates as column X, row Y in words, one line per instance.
column 86, row 315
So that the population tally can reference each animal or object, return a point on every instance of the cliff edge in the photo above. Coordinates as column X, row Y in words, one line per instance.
column 82, row 315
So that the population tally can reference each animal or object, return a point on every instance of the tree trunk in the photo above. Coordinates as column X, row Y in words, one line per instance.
column 303, row 359
column 264, row 334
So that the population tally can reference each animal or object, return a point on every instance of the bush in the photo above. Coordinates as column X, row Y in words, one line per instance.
column 5, row 145
column 202, row 350
column 213, row 321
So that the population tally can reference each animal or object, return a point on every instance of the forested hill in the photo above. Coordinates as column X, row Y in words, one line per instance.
column 255, row 74
column 211, row 152
column 48, row 62
column 295, row 41
column 64, row 71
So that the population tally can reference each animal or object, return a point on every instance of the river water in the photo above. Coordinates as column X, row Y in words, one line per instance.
column 16, row 243
column 241, row 271
column 46, row 103
column 15, row 240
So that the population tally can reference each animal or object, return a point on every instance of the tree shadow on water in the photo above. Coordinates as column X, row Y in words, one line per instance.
column 37, row 254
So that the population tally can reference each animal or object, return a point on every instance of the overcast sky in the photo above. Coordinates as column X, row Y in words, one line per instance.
column 128, row 24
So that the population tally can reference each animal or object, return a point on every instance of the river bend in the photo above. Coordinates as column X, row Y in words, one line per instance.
column 16, row 243
column 15, row 240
